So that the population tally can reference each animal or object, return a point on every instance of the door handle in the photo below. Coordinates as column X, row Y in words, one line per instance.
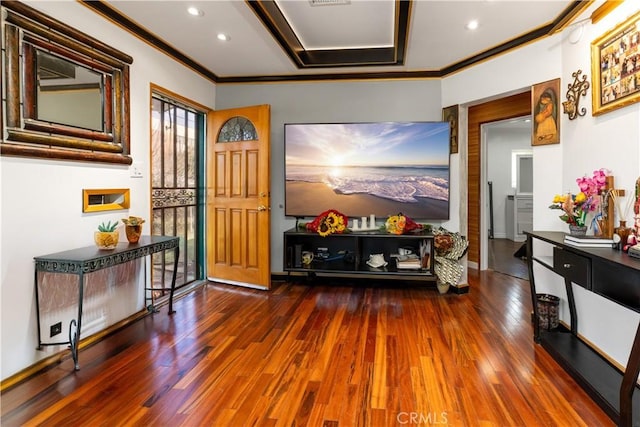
column 262, row 208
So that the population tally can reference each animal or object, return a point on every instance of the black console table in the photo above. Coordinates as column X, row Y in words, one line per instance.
column 613, row 275
column 89, row 259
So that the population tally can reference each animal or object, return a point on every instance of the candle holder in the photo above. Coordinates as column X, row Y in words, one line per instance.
column 364, row 222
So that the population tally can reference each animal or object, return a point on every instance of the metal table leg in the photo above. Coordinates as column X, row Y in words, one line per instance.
column 173, row 279
column 74, row 336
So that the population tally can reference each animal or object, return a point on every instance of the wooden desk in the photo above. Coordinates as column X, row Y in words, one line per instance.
column 89, row 259
column 613, row 275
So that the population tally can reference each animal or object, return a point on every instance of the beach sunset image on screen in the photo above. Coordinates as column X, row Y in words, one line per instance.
column 382, row 168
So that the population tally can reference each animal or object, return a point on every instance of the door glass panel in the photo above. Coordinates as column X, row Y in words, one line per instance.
column 237, row 129
column 191, row 166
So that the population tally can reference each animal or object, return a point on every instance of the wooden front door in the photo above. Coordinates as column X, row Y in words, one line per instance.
column 238, row 212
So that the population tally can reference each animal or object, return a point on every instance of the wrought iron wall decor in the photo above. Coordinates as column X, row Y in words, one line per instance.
column 576, row 89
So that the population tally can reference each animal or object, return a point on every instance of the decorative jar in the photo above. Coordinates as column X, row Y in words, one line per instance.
column 133, row 228
column 133, row 232
column 623, row 231
column 577, row 230
column 106, row 239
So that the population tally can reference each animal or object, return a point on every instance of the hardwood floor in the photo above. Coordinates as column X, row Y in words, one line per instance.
column 319, row 355
column 501, row 258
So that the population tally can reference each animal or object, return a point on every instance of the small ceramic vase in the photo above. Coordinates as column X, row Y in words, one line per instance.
column 133, row 232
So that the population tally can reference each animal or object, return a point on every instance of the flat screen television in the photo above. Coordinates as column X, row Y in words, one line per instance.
column 359, row 169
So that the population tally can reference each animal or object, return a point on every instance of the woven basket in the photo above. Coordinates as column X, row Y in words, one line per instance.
column 447, row 267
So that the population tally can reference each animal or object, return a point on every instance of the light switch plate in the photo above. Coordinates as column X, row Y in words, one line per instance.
column 136, row 170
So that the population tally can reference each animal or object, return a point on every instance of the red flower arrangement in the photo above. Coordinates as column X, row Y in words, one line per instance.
column 328, row 222
column 399, row 224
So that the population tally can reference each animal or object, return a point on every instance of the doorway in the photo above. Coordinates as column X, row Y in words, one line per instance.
column 499, row 109
column 177, row 146
column 508, row 182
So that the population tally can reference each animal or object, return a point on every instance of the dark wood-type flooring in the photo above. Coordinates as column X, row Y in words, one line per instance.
column 339, row 354
column 501, row 258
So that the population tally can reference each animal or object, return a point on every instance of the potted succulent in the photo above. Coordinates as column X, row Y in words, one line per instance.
column 107, row 237
column 133, row 228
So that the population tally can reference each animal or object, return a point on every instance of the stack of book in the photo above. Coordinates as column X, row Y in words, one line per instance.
column 408, row 262
column 588, row 241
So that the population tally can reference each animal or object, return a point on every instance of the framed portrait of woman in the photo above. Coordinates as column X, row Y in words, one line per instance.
column 545, row 107
column 450, row 114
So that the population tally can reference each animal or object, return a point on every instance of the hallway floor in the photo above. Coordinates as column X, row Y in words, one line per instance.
column 501, row 258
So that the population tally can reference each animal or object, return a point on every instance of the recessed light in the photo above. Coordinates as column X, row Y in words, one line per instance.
column 223, row 37
column 472, row 25
column 195, row 11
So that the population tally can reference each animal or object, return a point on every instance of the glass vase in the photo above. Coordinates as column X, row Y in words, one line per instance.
column 106, row 239
column 599, row 231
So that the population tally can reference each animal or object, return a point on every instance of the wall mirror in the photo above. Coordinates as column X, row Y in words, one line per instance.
column 79, row 89
column 67, row 94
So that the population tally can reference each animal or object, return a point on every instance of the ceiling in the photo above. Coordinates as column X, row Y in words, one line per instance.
column 297, row 40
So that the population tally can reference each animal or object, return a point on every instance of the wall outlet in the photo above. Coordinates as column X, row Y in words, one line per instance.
column 55, row 329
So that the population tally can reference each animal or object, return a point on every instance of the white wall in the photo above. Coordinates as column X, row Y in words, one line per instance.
column 41, row 203
column 331, row 102
column 610, row 141
column 588, row 143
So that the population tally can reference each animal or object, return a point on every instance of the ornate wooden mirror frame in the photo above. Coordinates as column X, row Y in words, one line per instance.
column 28, row 35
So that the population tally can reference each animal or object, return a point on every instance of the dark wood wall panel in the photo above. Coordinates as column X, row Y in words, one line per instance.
column 499, row 109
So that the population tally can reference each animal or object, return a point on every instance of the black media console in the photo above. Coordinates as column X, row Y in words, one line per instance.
column 347, row 254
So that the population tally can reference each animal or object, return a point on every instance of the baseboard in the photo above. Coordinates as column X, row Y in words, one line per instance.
column 62, row 355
